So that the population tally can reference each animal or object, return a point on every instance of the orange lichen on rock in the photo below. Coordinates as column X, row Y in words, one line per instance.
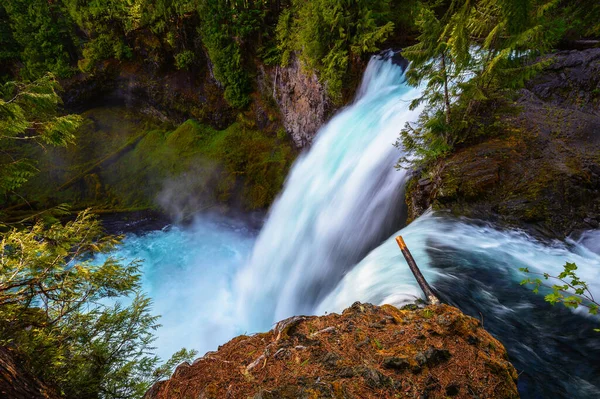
column 366, row 352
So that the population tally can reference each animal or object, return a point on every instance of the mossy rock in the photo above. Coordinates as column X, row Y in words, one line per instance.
column 323, row 357
column 124, row 159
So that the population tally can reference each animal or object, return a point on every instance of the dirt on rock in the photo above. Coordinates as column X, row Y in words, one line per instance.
column 366, row 352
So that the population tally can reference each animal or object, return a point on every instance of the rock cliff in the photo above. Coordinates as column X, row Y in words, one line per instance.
column 291, row 97
column 366, row 352
column 541, row 169
column 302, row 101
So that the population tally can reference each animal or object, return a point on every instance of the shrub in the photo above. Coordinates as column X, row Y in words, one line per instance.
column 184, row 60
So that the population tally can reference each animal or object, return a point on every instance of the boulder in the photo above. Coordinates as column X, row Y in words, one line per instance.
column 366, row 352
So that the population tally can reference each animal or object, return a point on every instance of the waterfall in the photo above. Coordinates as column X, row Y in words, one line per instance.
column 341, row 199
column 329, row 241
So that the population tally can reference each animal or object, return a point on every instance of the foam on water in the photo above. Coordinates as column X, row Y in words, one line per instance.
column 475, row 267
column 381, row 277
column 189, row 273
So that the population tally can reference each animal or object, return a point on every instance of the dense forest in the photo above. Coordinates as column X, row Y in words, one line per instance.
column 470, row 56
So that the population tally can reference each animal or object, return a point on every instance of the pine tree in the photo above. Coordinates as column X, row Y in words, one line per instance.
column 30, row 112
column 59, row 309
column 470, row 54
column 441, row 61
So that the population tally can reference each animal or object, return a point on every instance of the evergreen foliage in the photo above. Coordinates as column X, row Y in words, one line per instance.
column 581, row 18
column 226, row 27
column 105, row 24
column 163, row 16
column 30, row 112
column 184, row 59
column 58, row 308
column 472, row 54
column 42, row 34
column 9, row 48
column 330, row 34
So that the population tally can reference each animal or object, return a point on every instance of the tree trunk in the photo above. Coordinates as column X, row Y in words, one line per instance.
column 446, row 92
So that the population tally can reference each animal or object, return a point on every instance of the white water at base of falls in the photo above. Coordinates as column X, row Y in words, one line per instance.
column 188, row 272
column 328, row 242
column 192, row 275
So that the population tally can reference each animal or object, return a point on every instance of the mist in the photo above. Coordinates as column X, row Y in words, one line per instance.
column 188, row 272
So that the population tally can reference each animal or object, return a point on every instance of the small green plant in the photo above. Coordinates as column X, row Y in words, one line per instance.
column 184, row 60
column 568, row 289
column 377, row 343
column 427, row 313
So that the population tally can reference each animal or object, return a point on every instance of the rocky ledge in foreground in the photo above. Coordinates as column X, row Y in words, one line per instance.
column 366, row 352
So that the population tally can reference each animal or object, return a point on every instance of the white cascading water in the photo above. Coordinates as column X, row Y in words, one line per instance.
column 341, row 199
column 382, row 276
column 475, row 267
column 188, row 273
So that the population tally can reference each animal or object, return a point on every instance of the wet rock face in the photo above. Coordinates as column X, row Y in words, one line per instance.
column 302, row 100
column 166, row 95
column 572, row 81
column 366, row 352
column 542, row 171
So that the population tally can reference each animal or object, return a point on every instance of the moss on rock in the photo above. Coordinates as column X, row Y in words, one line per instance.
column 125, row 160
column 539, row 170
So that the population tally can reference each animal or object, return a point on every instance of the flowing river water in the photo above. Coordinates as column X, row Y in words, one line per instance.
column 328, row 242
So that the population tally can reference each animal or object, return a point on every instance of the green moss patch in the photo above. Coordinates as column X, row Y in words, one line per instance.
column 124, row 160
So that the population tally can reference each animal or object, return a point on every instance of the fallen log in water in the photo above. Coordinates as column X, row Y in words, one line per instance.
column 432, row 299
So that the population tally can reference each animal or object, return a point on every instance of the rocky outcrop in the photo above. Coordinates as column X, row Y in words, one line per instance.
column 171, row 95
column 366, row 352
column 17, row 383
column 571, row 81
column 293, row 92
column 542, row 170
column 302, row 100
